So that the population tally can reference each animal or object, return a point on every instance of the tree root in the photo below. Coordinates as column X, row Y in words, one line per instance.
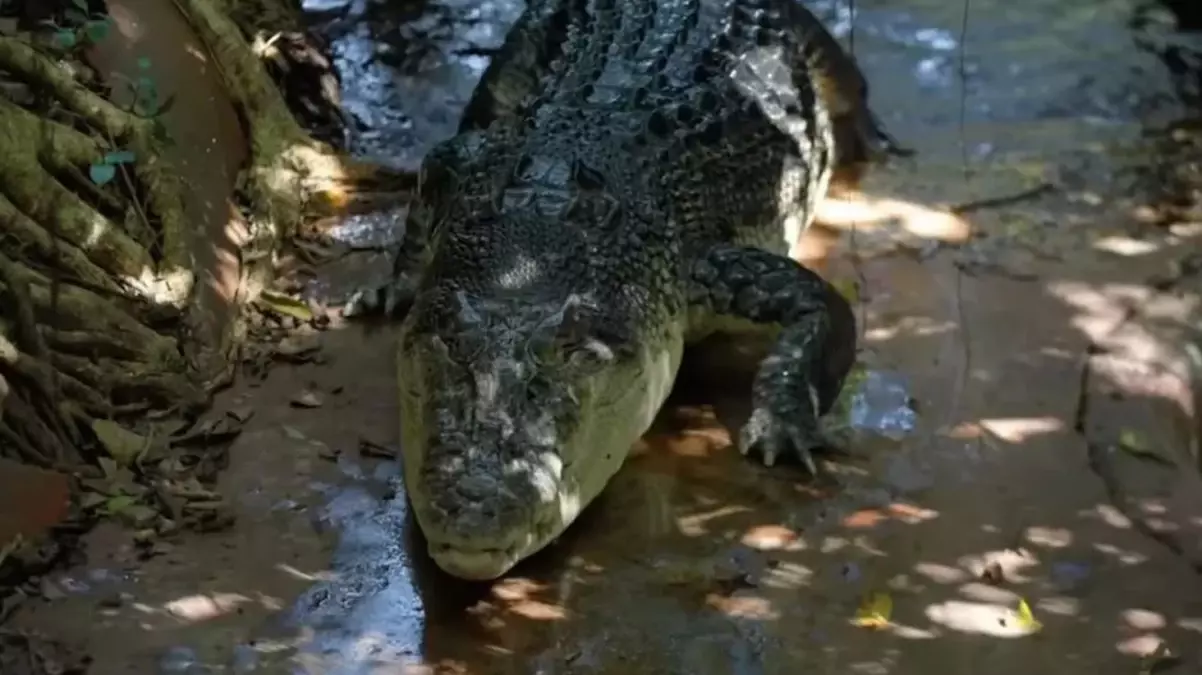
column 97, row 281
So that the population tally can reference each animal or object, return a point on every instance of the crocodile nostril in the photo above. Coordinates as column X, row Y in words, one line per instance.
column 477, row 487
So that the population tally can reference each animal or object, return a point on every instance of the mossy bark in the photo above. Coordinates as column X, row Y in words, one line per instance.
column 96, row 280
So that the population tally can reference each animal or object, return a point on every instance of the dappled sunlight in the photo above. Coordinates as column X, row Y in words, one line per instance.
column 126, row 22
column 1126, row 246
column 859, row 211
column 908, row 326
column 1020, row 430
column 172, row 287
column 518, row 597
column 978, row 618
column 311, row 577
column 901, row 512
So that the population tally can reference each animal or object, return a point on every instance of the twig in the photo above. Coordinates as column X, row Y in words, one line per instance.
column 1003, row 200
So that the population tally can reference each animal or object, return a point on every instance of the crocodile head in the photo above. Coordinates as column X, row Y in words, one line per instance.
column 514, row 416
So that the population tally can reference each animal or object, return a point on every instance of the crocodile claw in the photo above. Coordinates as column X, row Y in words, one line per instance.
column 385, row 300
column 773, row 435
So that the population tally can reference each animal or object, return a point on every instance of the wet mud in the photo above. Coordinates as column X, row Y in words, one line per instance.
column 1044, row 449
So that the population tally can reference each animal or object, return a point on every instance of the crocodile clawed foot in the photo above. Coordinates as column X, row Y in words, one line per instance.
column 777, row 431
column 383, row 301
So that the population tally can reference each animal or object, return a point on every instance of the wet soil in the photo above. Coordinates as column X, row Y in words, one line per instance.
column 1045, row 331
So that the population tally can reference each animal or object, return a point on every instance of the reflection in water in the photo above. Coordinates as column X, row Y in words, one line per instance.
column 371, row 612
column 659, row 577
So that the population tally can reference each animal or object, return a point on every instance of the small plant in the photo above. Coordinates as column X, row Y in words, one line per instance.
column 145, row 92
column 105, row 170
column 82, row 26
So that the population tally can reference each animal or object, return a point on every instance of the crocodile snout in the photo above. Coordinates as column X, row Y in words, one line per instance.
column 481, row 515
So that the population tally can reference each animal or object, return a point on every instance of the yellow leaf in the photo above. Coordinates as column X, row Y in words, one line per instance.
column 874, row 611
column 287, row 306
column 849, row 289
column 1026, row 618
column 1132, row 442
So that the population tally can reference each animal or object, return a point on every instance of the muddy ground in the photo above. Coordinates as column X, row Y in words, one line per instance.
column 1041, row 315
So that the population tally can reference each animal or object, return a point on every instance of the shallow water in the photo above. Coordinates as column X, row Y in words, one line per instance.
column 1013, row 83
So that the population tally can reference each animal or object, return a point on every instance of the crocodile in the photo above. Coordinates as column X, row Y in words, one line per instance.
column 627, row 178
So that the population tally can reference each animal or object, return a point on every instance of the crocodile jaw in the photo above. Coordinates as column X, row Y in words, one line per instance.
column 591, row 458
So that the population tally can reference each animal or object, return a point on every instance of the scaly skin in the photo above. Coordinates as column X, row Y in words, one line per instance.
column 628, row 178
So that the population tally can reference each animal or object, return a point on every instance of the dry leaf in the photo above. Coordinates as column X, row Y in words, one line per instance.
column 874, row 611
column 307, row 399
column 123, row 445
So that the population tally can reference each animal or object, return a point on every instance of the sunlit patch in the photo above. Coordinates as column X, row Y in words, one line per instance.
column 980, row 618
column 306, row 576
column 787, row 575
column 981, row 592
column 196, row 608
column 1049, row 537
column 1109, row 515
column 517, row 596
column 171, row 287
column 1144, row 619
column 126, row 22
column 744, row 607
column 1020, row 429
column 195, row 53
column 906, row 513
column 694, row 525
column 1125, row 246
column 833, row 544
column 914, row 326
column 1128, row 558
column 1140, row 645
column 771, row 538
column 1061, row 606
column 942, row 574
column 864, row 212
column 1191, row 624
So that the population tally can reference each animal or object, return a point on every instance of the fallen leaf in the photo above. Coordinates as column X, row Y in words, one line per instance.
column 138, row 515
column 1026, row 618
column 299, row 347
column 91, row 500
column 115, row 505
column 1135, row 444
column 241, row 414
column 285, row 305
column 121, row 444
column 293, row 433
column 307, row 399
column 849, row 289
column 874, row 611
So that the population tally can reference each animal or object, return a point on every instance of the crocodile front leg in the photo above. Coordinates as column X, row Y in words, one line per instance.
column 816, row 347
column 394, row 297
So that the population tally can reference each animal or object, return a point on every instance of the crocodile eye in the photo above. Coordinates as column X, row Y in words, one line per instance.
column 591, row 352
